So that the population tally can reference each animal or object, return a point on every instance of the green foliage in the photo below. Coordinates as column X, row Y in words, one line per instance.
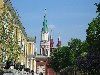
column 10, row 50
column 66, row 56
column 98, row 7
column 3, row 34
column 93, row 34
column 91, row 62
column 60, row 58
column 77, row 48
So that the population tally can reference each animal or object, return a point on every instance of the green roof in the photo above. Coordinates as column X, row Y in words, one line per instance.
column 45, row 27
column 31, row 39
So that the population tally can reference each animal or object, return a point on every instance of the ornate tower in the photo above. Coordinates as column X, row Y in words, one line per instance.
column 51, row 42
column 59, row 42
column 45, row 42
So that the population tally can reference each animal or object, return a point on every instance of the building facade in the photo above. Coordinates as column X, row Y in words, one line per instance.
column 30, row 53
column 14, row 43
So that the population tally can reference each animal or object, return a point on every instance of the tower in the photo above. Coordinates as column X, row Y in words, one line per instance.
column 59, row 42
column 45, row 42
column 51, row 42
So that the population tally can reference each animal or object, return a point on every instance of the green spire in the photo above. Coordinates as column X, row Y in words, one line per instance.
column 45, row 28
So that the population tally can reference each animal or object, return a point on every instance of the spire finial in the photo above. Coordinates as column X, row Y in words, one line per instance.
column 59, row 41
column 59, row 36
column 45, row 28
column 45, row 11
column 50, row 33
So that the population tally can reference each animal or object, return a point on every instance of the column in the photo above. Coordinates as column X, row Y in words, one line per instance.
column 31, row 57
column 34, row 66
column 48, row 52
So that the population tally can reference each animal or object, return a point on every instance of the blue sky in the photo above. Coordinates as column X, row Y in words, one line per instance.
column 70, row 18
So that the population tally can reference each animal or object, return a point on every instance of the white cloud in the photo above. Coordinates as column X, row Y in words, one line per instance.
column 51, row 26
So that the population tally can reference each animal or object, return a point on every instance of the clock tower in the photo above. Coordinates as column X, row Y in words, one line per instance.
column 45, row 42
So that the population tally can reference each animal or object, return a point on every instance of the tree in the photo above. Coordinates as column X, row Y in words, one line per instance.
column 10, row 49
column 3, row 35
column 14, row 49
column 91, row 62
column 66, row 56
column 60, row 58
column 98, row 7
column 93, row 33
column 77, row 48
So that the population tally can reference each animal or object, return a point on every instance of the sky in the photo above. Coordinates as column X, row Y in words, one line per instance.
column 67, row 18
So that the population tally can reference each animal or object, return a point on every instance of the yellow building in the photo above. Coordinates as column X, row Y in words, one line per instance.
column 11, row 27
column 14, row 43
column 30, row 52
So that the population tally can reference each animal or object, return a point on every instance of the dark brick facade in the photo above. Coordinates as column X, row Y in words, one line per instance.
column 45, row 61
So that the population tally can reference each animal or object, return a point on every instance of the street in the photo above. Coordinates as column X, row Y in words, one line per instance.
column 14, row 72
